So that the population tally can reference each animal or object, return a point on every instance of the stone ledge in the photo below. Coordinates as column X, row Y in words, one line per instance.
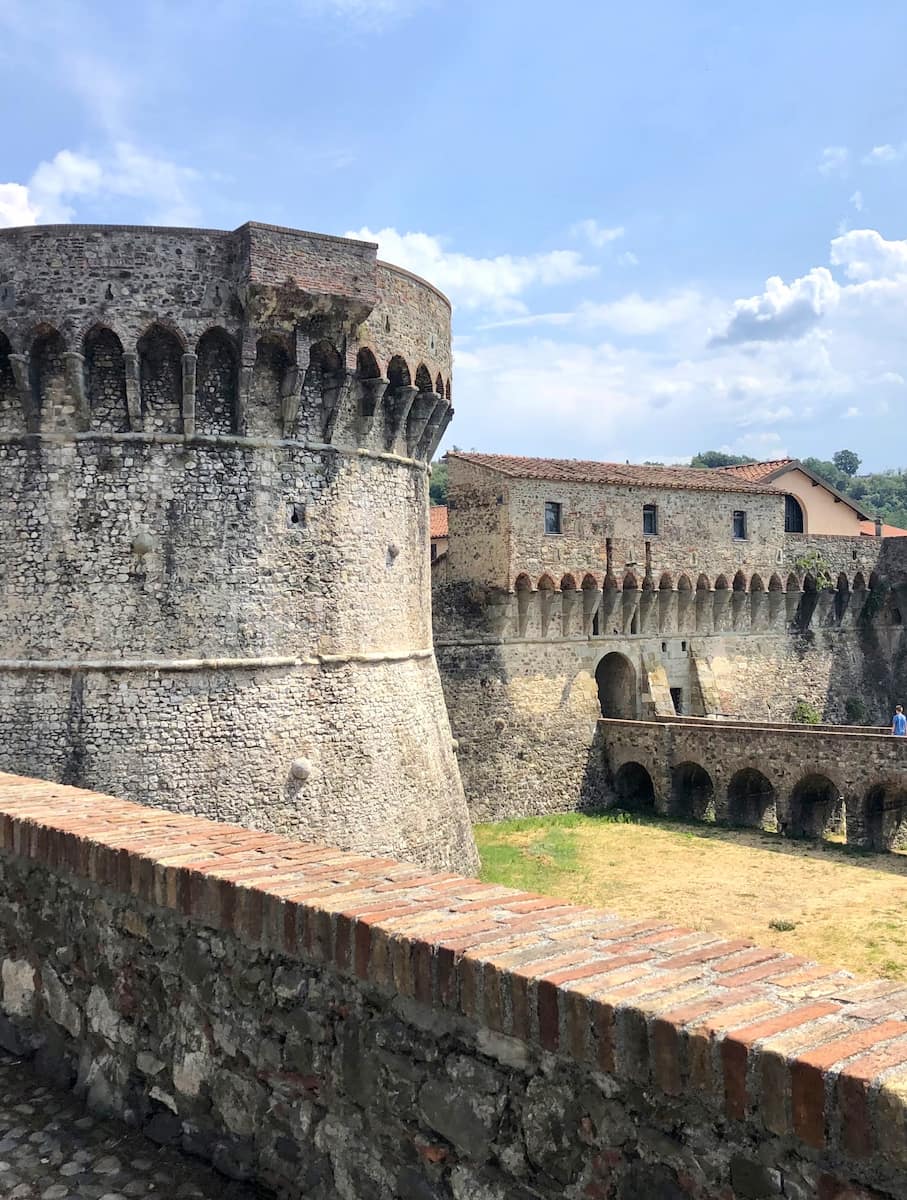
column 793, row 1049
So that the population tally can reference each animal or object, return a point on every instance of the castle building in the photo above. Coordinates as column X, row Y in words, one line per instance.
column 573, row 591
column 214, row 454
column 811, row 504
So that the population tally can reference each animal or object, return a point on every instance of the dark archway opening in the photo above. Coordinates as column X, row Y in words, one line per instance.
column 616, row 681
column 816, row 809
column 886, row 817
column 634, row 788
column 692, row 792
column 751, row 800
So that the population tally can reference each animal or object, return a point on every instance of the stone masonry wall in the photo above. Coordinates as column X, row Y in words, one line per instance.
column 343, row 1028
column 214, row 525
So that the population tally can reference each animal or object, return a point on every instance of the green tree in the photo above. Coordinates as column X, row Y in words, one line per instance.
column 846, row 461
column 828, row 471
column 717, row 458
column 438, row 488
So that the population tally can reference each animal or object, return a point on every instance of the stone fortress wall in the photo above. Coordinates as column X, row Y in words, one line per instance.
column 213, row 521
column 538, row 635
column 335, row 1025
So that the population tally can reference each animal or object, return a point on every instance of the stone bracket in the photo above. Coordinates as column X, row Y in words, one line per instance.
column 334, row 396
column 133, row 391
column 396, row 413
column 19, row 364
column 190, row 362
column 368, row 400
column 434, row 430
column 419, row 415
column 290, row 398
column 74, row 365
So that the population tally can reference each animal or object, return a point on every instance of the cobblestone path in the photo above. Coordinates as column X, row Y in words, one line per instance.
column 52, row 1149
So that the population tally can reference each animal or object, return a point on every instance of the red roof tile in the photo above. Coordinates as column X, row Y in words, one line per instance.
column 868, row 528
column 758, row 472
column 570, row 470
column 437, row 516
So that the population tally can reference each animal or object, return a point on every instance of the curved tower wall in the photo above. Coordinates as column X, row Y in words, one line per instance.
column 214, row 594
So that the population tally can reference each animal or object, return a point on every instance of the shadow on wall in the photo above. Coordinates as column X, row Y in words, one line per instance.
column 517, row 758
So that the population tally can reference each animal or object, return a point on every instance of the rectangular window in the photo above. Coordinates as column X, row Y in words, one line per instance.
column 434, row 552
column 740, row 525
column 650, row 518
column 552, row 516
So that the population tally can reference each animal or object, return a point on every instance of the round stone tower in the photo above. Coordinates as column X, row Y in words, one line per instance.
column 214, row 589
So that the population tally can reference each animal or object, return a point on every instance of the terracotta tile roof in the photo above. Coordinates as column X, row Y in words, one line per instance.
column 437, row 518
column 571, row 470
column 758, row 472
column 868, row 528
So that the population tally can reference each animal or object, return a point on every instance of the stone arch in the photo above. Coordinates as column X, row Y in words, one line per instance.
column 684, row 584
column 885, row 809
column 270, row 376
column 751, row 799
column 47, row 371
column 447, row 389
column 634, row 788
column 367, row 365
column 859, row 582
column 12, row 418
column 721, row 584
column 702, row 583
column 874, row 581
column 161, row 379
column 665, row 583
column 546, row 584
column 215, row 383
column 439, row 384
column 589, row 583
column 816, row 807
column 105, row 379
column 756, row 584
column 630, row 582
column 739, row 584
column 692, row 792
column 568, row 583
column 398, row 372
column 809, row 582
column 423, row 378
column 522, row 583
column 793, row 583
column 616, row 680
column 775, row 584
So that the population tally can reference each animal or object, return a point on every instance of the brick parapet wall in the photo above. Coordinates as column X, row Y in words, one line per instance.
column 547, row 1050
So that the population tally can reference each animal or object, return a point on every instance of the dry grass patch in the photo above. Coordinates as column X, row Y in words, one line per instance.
column 820, row 900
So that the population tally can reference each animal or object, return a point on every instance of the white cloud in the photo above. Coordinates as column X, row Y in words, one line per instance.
column 883, row 156
column 16, row 206
column 595, row 234
column 783, row 311
column 494, row 283
column 865, row 254
column 57, row 186
column 857, row 200
column 634, row 315
column 834, row 158
column 850, row 413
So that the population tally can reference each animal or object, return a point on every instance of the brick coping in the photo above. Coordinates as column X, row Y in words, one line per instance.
column 756, row 1034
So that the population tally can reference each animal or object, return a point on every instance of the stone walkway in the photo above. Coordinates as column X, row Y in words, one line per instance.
column 52, row 1149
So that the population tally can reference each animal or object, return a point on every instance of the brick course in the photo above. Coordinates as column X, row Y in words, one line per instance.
column 559, row 1039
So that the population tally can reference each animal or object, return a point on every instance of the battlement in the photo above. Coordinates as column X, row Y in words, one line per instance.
column 263, row 332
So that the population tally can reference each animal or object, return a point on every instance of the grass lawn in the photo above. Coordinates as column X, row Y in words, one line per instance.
column 817, row 899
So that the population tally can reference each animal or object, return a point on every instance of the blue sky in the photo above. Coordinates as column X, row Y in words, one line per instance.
column 664, row 227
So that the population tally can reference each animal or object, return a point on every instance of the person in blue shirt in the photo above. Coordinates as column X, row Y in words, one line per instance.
column 899, row 723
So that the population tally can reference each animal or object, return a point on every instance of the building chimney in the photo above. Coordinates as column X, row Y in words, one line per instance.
column 878, row 526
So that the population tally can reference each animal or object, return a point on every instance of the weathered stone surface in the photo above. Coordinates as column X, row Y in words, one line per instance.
column 196, row 519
